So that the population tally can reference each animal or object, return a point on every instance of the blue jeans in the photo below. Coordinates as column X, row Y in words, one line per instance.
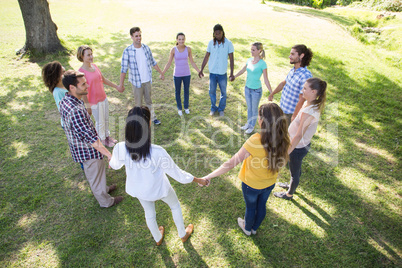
column 214, row 80
column 186, row 85
column 295, row 164
column 256, row 200
column 253, row 97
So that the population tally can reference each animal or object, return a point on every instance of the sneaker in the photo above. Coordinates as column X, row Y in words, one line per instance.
column 249, row 130
column 211, row 113
column 245, row 127
column 242, row 225
column 283, row 195
column 253, row 232
column 221, row 113
column 189, row 231
column 162, row 230
column 284, row 185
column 187, row 111
column 180, row 112
column 157, row 122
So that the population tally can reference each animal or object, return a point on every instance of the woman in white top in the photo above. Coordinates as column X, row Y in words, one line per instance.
column 301, row 130
column 146, row 168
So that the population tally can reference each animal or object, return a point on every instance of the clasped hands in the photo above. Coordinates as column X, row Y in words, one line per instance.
column 203, row 181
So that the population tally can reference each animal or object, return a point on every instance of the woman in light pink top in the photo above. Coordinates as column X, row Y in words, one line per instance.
column 181, row 54
column 96, row 94
column 301, row 130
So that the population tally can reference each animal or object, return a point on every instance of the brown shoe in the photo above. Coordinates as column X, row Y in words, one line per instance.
column 189, row 231
column 162, row 230
column 112, row 188
column 117, row 200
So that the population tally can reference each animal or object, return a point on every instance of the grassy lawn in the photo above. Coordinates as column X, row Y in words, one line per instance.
column 347, row 209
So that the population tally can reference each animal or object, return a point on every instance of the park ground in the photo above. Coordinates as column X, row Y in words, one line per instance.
column 346, row 212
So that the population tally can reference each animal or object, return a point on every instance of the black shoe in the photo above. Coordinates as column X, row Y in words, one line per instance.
column 284, row 185
column 283, row 195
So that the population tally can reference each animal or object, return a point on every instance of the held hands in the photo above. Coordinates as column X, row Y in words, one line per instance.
column 120, row 88
column 162, row 76
column 200, row 74
column 203, row 182
column 271, row 97
column 232, row 78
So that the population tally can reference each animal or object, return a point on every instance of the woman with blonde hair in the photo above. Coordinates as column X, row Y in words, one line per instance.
column 96, row 94
column 255, row 67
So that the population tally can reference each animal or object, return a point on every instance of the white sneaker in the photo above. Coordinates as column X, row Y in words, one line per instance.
column 187, row 111
column 249, row 131
column 245, row 127
column 242, row 225
column 211, row 113
column 180, row 112
column 253, row 232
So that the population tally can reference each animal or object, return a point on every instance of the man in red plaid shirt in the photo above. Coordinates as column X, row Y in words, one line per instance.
column 85, row 145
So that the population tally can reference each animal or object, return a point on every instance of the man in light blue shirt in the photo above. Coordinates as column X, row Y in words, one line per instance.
column 292, row 95
column 217, row 52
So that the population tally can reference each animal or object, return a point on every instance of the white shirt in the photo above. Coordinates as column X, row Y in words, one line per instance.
column 142, row 65
column 311, row 129
column 147, row 179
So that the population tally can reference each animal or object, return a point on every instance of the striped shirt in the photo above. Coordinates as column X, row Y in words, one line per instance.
column 129, row 61
column 79, row 129
column 294, row 86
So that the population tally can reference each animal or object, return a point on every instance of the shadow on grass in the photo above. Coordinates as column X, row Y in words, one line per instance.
column 46, row 200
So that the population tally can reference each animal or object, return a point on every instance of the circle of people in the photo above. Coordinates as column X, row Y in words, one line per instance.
column 285, row 130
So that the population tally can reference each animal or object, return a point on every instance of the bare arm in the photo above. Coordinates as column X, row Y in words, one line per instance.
column 298, row 106
column 167, row 66
column 121, row 85
column 100, row 148
column 230, row 164
column 240, row 72
column 305, row 121
column 277, row 89
column 190, row 57
column 266, row 81
column 87, row 105
column 204, row 62
column 108, row 82
column 156, row 67
column 231, row 61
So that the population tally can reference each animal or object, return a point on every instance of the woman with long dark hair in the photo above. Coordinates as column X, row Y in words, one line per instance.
column 263, row 154
column 146, row 168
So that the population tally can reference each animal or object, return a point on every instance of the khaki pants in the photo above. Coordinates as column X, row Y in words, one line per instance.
column 144, row 90
column 96, row 175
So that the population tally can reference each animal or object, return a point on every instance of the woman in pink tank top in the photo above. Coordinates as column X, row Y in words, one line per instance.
column 181, row 54
column 96, row 94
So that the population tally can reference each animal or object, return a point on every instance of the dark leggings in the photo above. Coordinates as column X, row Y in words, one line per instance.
column 295, row 164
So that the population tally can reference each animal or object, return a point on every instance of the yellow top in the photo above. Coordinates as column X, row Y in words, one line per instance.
column 254, row 170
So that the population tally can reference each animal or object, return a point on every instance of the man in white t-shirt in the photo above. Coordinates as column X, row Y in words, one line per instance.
column 138, row 58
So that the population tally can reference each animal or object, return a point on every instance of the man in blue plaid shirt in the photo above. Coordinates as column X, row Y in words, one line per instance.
column 138, row 58
column 292, row 95
column 85, row 145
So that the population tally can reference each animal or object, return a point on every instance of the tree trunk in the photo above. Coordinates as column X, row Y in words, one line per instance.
column 41, row 31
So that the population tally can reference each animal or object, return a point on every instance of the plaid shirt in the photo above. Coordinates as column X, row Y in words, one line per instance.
column 129, row 61
column 294, row 86
column 79, row 129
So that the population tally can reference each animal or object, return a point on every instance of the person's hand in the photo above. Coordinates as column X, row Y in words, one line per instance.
column 162, row 76
column 120, row 88
column 200, row 74
column 204, row 182
column 271, row 97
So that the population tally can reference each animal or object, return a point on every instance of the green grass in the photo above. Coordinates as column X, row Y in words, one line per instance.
column 347, row 209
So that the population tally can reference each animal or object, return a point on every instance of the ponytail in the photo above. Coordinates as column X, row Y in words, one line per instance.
column 321, row 87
